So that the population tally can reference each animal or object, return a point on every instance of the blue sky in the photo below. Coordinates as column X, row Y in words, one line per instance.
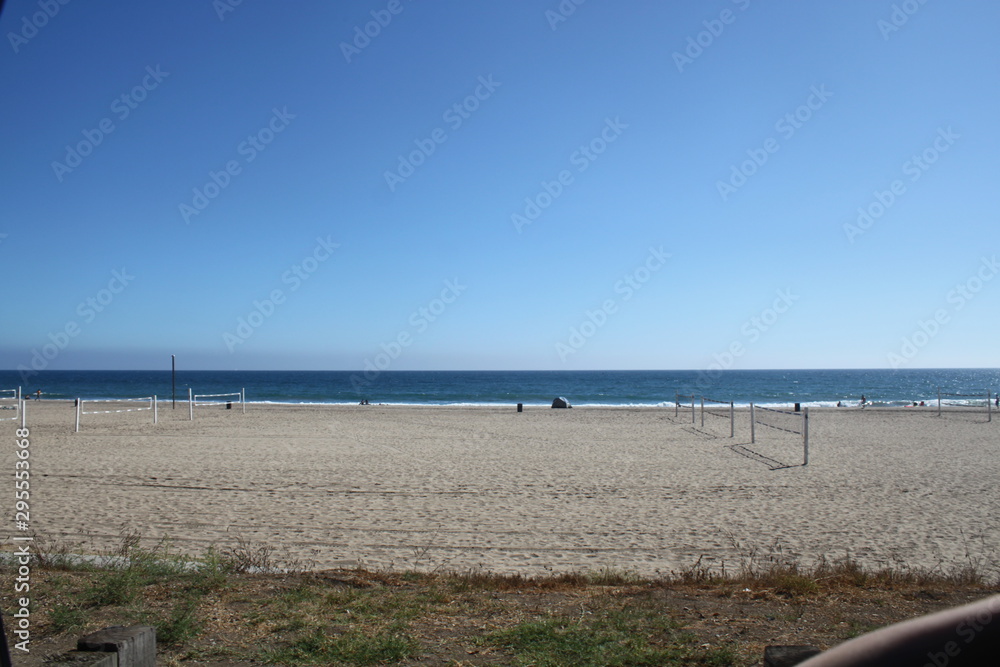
column 485, row 185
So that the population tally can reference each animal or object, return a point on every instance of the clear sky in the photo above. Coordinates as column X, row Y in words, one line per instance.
column 499, row 185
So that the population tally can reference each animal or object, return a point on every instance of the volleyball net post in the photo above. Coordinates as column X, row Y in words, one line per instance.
column 972, row 402
column 803, row 430
column 677, row 405
column 18, row 405
column 805, row 436
column 730, row 414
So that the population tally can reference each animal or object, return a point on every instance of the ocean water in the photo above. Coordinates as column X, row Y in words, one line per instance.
column 818, row 388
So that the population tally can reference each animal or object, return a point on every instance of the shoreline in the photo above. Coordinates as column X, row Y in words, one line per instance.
column 817, row 405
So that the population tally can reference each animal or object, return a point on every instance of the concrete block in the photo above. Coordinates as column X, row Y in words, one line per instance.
column 135, row 646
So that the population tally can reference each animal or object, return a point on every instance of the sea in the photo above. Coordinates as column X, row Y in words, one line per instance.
column 815, row 388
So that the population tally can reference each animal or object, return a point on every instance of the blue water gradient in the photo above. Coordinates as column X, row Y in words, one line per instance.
column 613, row 388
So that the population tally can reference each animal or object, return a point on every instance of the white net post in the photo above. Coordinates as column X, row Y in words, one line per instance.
column 79, row 404
column 703, row 412
column 939, row 401
column 753, row 429
column 18, row 407
column 24, row 410
column 190, row 405
column 805, row 437
column 732, row 420
column 155, row 409
column 692, row 408
column 243, row 399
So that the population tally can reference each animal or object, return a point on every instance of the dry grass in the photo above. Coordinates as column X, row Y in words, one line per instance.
column 243, row 605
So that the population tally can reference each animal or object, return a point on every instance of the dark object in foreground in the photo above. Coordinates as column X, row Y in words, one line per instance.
column 788, row 656
column 960, row 637
column 561, row 403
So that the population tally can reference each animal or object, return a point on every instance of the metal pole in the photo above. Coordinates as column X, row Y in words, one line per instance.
column 243, row 399
column 939, row 401
column 173, row 379
column 692, row 408
column 24, row 409
column 753, row 429
column 79, row 403
column 190, row 405
column 805, row 437
column 703, row 412
column 677, row 404
column 989, row 408
column 154, row 408
column 732, row 420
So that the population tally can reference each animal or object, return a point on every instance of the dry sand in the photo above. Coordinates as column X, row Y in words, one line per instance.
column 541, row 491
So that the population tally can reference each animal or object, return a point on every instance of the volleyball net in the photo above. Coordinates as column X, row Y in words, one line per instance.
column 795, row 423
column 108, row 406
column 719, row 410
column 11, row 406
column 224, row 401
column 678, row 406
column 981, row 403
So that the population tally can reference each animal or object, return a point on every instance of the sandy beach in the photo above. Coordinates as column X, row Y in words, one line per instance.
column 457, row 488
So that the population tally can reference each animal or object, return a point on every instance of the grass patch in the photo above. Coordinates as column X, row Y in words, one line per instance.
column 324, row 646
column 224, row 606
column 180, row 626
column 66, row 617
column 554, row 641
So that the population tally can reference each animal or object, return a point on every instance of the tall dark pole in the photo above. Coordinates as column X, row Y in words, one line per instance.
column 173, row 379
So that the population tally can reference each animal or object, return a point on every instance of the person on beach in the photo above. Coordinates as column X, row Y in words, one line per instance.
column 38, row 395
column 864, row 401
